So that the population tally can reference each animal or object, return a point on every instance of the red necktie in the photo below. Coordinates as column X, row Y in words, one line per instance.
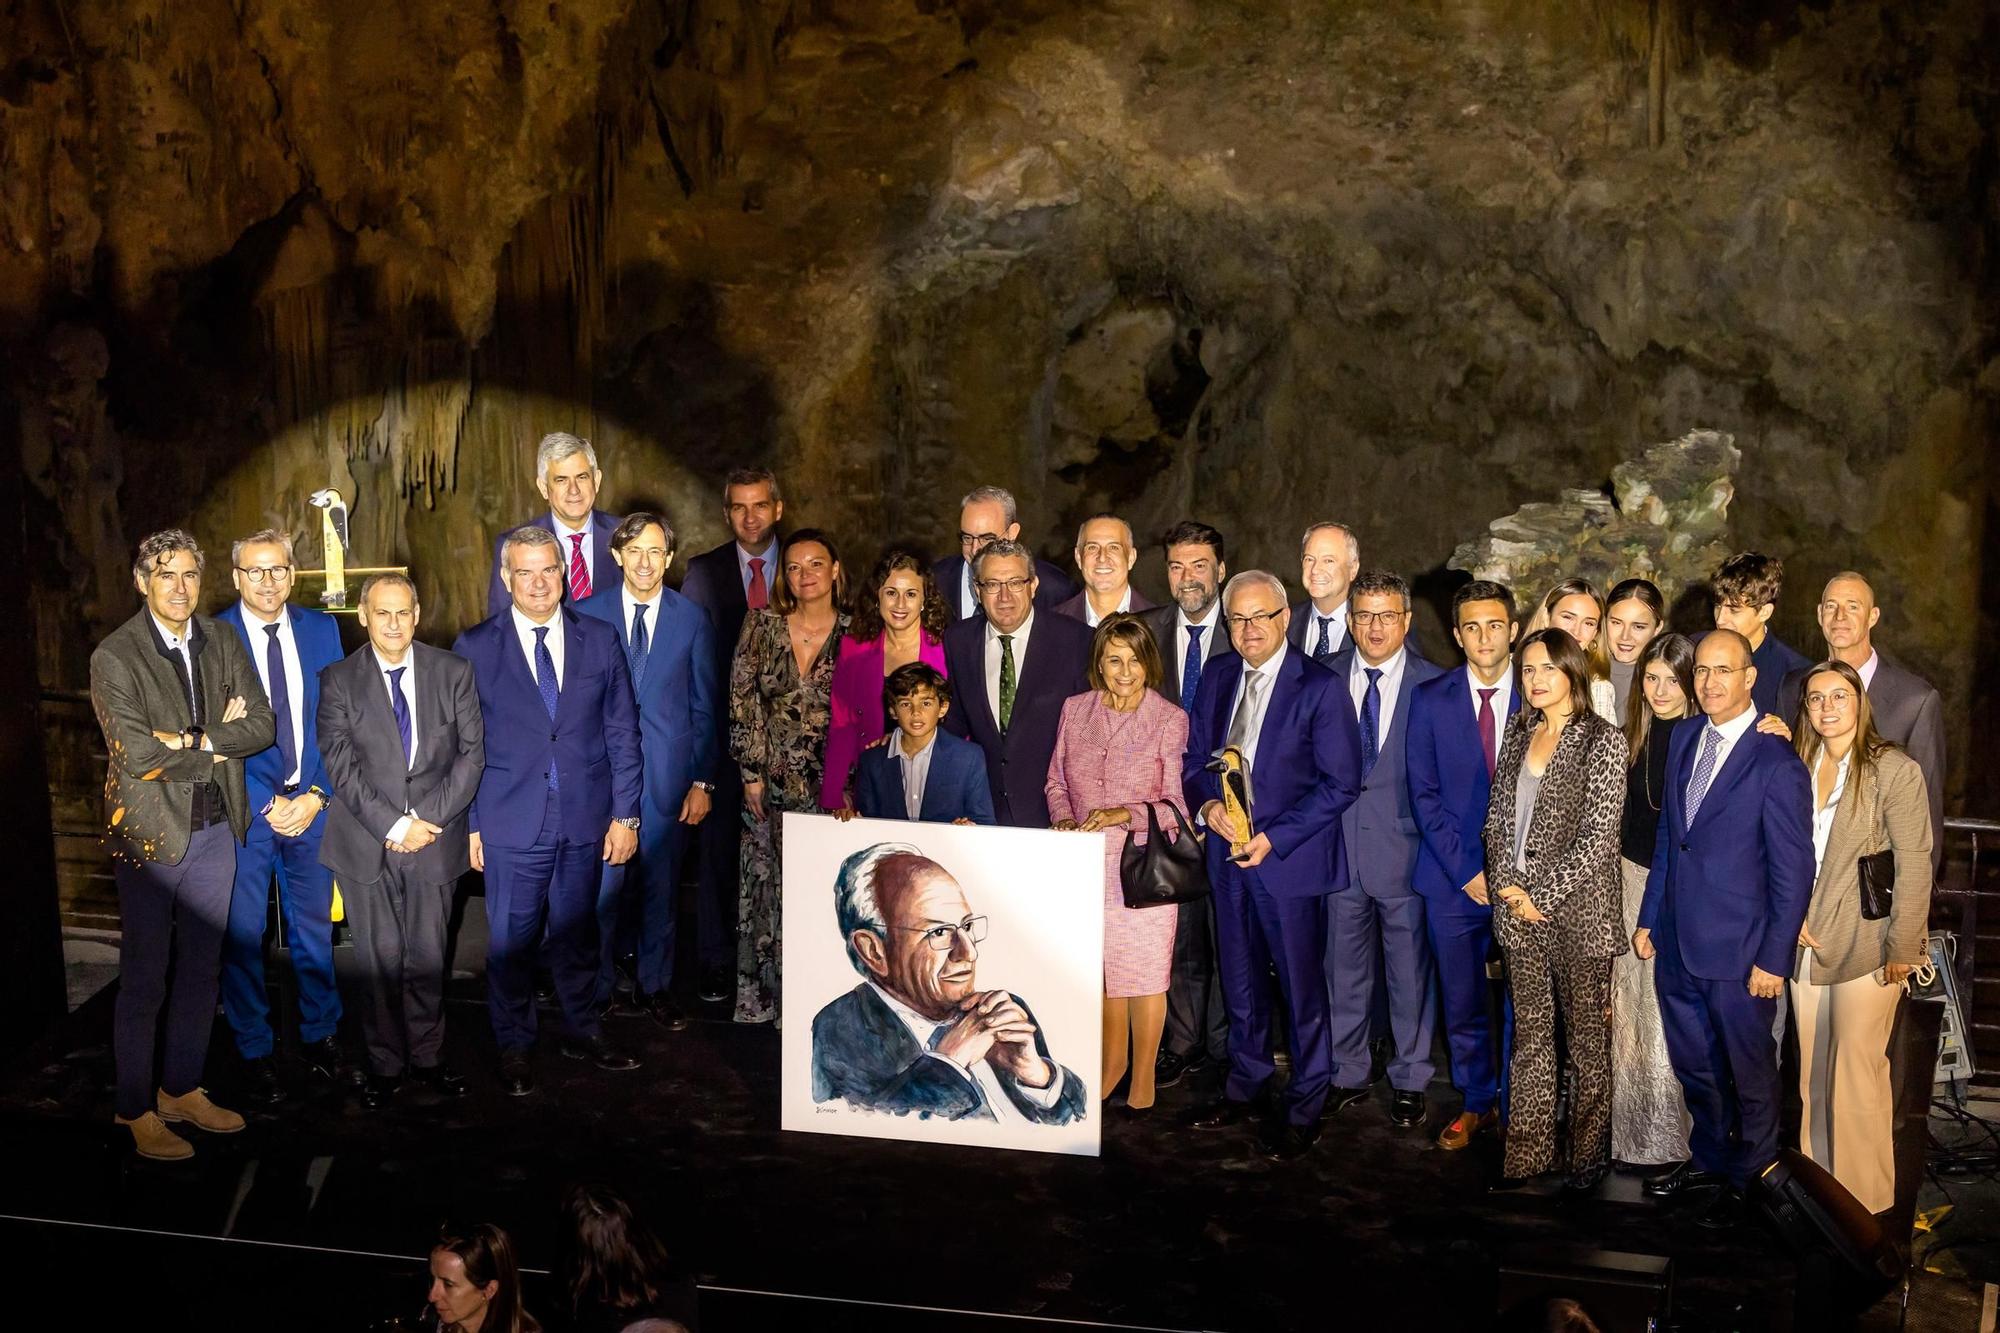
column 757, row 594
column 579, row 573
column 1486, row 728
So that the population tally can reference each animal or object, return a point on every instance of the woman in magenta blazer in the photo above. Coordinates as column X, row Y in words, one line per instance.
column 899, row 619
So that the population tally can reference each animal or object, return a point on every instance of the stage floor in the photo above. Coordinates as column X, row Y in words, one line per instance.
column 1169, row 1229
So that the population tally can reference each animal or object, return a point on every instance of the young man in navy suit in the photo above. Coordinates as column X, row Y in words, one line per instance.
column 1293, row 722
column 1456, row 724
column 921, row 773
column 670, row 656
column 567, row 475
column 560, row 794
column 289, row 790
column 1731, row 879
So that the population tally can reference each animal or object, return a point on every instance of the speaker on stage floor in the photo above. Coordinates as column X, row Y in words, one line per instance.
column 1620, row 1292
column 1847, row 1262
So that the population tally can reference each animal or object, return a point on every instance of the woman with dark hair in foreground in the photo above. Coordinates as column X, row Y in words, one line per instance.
column 615, row 1270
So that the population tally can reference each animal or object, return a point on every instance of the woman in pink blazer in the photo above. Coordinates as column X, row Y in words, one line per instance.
column 899, row 619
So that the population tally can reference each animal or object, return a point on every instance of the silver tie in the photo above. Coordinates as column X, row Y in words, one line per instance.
column 1241, row 727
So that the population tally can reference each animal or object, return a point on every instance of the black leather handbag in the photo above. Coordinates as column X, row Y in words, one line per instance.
column 1878, row 883
column 1163, row 871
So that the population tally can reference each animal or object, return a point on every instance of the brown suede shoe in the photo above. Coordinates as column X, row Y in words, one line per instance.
column 196, row 1109
column 1459, row 1133
column 153, row 1139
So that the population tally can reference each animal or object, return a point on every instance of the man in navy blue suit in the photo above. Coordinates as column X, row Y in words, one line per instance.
column 670, row 654
column 1450, row 767
column 1375, row 926
column 1293, row 722
column 922, row 773
column 289, row 790
column 988, row 514
column 560, row 794
column 1013, row 667
column 1731, row 879
column 567, row 475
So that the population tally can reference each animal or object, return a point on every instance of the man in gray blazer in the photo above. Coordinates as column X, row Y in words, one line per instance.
column 181, row 708
column 402, row 737
column 1375, row 925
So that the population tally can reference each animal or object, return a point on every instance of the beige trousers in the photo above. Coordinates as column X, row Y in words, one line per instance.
column 1848, row 1106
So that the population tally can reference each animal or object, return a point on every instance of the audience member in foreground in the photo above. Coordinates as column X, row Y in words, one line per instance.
column 615, row 1272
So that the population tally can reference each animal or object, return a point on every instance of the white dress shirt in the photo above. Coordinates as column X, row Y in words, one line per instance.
column 1269, row 669
column 1392, row 683
column 769, row 555
column 295, row 687
column 626, row 602
column 1823, row 816
column 1090, row 616
column 409, row 689
column 916, row 772
column 1867, row 669
column 967, row 597
column 981, row 1072
column 1336, row 628
column 1731, row 732
column 524, row 630
column 1503, row 693
column 1020, row 637
column 564, row 532
column 178, row 645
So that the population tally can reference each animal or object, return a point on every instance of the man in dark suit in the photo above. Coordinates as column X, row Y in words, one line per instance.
column 988, row 514
column 1105, row 555
column 670, row 654
column 560, row 794
column 287, row 788
column 1731, row 879
column 1329, row 560
column 181, row 709
column 1294, row 725
column 1189, row 633
column 1907, row 708
column 1375, row 925
column 916, row 1035
column 1014, row 666
column 923, row 773
column 567, row 475
column 726, row 582
column 1456, row 724
column 405, row 743
column 1746, row 592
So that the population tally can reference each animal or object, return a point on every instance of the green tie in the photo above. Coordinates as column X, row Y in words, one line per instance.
column 1006, row 680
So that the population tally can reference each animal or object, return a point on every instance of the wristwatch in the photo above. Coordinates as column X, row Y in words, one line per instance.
column 191, row 738
column 708, row 787
column 632, row 823
column 325, row 801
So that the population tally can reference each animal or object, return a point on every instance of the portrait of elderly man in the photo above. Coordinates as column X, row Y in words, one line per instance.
column 918, row 1034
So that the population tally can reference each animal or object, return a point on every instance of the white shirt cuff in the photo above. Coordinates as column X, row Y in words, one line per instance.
column 400, row 829
column 1042, row 1097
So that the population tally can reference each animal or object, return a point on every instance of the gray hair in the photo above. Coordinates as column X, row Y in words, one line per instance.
column 391, row 580
column 1131, row 541
column 1258, row 578
column 1353, row 542
column 166, row 542
column 556, row 446
column 528, row 536
column 980, row 495
column 854, row 902
column 262, row 537
column 1003, row 547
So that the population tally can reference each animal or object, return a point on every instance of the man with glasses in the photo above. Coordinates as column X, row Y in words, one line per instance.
column 1293, row 724
column 289, row 790
column 917, row 1035
column 987, row 514
column 1029, row 662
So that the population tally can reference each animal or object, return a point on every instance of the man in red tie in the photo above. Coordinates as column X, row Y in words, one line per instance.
column 1455, row 726
column 567, row 475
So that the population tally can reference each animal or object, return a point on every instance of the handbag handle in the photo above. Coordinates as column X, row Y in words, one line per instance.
column 1153, row 820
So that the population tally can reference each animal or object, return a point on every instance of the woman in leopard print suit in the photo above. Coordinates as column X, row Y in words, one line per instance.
column 1552, row 861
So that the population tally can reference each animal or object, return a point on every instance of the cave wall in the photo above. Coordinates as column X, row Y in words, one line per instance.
column 1406, row 265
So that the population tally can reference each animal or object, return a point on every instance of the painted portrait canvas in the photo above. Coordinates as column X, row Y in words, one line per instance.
column 943, row 983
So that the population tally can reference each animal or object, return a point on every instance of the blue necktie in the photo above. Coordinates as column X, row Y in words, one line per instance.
column 1371, row 719
column 545, row 681
column 281, row 700
column 401, row 706
column 1325, row 652
column 1704, row 771
column 635, row 654
column 1191, row 669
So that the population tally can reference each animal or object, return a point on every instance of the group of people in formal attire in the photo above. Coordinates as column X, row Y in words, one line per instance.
column 1660, row 838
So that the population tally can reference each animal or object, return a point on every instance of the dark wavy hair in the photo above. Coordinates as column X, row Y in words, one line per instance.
column 1677, row 651
column 1568, row 658
column 607, row 1259
column 782, row 600
column 488, row 1256
column 867, row 624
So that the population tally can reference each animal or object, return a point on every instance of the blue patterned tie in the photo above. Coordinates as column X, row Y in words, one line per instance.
column 1704, row 771
column 1191, row 669
column 1371, row 719
column 545, row 681
column 1325, row 652
column 281, row 701
column 635, row 654
column 401, row 706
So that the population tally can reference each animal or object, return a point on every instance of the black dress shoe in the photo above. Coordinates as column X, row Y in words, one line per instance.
column 515, row 1074
column 545, row 991
column 623, row 1004
column 440, row 1079
column 1683, row 1179
column 323, row 1058
column 378, row 1089
column 664, row 1011
column 1339, row 1098
column 1170, row 1069
column 1508, row 1184
column 1583, row 1183
column 260, row 1082
column 1406, row 1109
column 599, row 1052
column 1725, row 1210
column 1288, row 1142
column 1223, row 1114
column 715, row 985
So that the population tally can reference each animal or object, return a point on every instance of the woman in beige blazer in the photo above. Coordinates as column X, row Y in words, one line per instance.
column 1868, row 797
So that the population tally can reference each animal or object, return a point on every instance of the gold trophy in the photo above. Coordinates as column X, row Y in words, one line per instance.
column 1234, row 772
column 333, row 544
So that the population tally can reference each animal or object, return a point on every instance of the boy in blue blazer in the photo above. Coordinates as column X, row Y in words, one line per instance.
column 921, row 772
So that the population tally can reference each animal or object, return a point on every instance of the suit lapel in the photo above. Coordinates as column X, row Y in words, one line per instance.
column 1275, row 709
column 1733, row 768
column 976, row 686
